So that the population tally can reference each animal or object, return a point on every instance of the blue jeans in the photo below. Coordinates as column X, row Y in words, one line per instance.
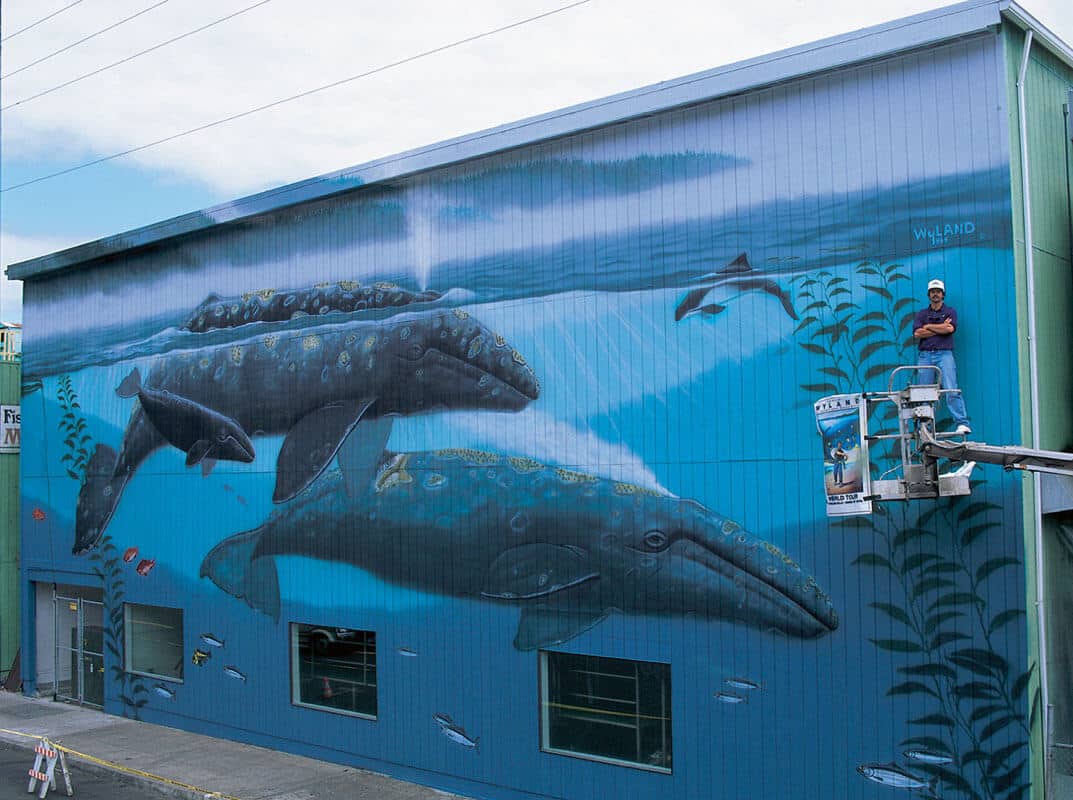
column 944, row 360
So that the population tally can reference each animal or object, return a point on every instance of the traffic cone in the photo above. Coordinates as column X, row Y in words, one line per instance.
column 326, row 690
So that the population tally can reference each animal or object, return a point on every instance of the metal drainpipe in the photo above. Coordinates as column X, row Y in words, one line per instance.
column 1033, row 370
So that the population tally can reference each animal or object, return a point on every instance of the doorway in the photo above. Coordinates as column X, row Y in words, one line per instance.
column 79, row 649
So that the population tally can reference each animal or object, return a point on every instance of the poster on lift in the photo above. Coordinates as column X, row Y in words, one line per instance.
column 841, row 419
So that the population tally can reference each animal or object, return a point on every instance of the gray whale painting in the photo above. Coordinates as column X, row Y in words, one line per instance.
column 277, row 305
column 566, row 547
column 325, row 389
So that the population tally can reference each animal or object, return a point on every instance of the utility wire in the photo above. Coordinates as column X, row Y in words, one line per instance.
column 43, row 19
column 132, row 57
column 83, row 39
column 307, row 93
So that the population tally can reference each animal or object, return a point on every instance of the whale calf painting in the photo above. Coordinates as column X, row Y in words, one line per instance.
column 204, row 435
column 333, row 389
column 566, row 547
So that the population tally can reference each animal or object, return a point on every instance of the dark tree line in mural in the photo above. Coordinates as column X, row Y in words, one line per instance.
column 944, row 629
column 106, row 560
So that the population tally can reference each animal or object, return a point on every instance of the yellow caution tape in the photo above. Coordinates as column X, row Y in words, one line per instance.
column 122, row 768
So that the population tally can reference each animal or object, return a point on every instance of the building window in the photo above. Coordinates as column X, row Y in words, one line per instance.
column 334, row 669
column 154, row 641
column 607, row 709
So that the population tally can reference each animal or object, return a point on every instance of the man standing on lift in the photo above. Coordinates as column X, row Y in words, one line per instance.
column 933, row 328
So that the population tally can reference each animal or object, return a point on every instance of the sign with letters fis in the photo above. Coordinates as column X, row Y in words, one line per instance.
column 846, row 480
column 10, row 429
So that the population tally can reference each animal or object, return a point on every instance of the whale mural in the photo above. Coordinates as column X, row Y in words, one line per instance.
column 322, row 388
column 567, row 547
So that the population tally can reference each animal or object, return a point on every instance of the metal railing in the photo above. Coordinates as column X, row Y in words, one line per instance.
column 10, row 344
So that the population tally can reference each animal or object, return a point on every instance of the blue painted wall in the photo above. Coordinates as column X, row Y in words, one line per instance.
column 585, row 417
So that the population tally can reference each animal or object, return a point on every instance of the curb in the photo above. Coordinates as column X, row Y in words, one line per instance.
column 158, row 784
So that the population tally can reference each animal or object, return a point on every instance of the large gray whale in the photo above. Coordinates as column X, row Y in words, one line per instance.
column 566, row 547
column 331, row 390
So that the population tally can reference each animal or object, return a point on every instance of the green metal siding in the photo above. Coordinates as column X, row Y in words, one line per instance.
column 1047, row 84
column 10, row 375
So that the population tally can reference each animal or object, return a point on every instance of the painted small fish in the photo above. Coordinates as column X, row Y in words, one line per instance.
column 145, row 565
column 232, row 672
column 729, row 698
column 164, row 691
column 743, row 683
column 928, row 757
column 455, row 732
column 38, row 515
column 130, row 554
column 407, row 652
column 241, row 499
column 894, row 776
column 212, row 641
column 200, row 657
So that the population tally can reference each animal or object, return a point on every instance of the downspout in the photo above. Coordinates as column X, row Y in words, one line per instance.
column 1033, row 371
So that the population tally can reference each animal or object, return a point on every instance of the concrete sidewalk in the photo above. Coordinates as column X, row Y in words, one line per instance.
column 187, row 765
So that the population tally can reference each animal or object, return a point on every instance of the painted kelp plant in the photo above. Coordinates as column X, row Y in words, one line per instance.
column 107, row 562
column 970, row 733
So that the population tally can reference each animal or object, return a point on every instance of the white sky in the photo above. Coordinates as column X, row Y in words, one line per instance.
column 287, row 46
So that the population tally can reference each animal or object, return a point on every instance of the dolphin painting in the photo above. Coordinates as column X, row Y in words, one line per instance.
column 566, row 547
column 276, row 305
column 203, row 434
column 330, row 390
column 719, row 287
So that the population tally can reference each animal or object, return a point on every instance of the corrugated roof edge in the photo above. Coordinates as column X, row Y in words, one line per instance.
column 900, row 35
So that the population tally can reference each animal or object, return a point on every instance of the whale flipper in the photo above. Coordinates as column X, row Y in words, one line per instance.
column 361, row 454
column 97, row 498
column 233, row 566
column 690, row 302
column 542, row 626
column 712, row 309
column 197, row 452
column 313, row 442
column 536, row 570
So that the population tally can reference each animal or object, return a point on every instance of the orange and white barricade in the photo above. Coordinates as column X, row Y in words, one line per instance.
column 47, row 756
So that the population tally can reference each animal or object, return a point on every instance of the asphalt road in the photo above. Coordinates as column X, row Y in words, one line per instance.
column 15, row 764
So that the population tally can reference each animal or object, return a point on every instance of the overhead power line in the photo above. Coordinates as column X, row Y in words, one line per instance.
column 98, row 71
column 83, row 39
column 307, row 93
column 43, row 19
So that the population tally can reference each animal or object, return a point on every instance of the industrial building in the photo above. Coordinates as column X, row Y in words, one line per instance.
column 493, row 465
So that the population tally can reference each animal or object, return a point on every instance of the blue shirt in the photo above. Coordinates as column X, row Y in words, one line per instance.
column 930, row 317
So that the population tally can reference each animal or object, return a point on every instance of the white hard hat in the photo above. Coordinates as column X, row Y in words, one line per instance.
column 937, row 284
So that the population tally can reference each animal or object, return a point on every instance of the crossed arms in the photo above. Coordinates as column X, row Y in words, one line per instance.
column 934, row 329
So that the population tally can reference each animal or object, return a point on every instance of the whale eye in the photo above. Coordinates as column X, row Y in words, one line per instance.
column 413, row 352
column 656, row 541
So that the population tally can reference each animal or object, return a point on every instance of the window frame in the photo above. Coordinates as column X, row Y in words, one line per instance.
column 128, row 648
column 544, row 716
column 295, row 665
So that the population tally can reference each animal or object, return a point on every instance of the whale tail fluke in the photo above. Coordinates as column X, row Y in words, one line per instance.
column 97, row 498
column 131, row 385
column 233, row 566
